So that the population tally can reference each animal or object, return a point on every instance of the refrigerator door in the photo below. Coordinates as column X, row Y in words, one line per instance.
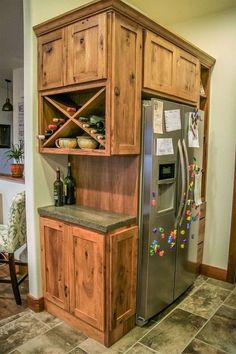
column 186, row 251
column 156, row 269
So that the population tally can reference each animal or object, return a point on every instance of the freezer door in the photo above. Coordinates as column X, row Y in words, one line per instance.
column 156, row 269
column 186, row 252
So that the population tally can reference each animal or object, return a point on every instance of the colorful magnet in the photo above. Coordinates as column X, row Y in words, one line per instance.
column 188, row 218
column 163, row 236
column 188, row 212
column 184, row 240
column 153, row 203
column 182, row 245
column 154, row 230
column 161, row 253
column 161, row 229
column 182, row 232
column 188, row 226
column 172, row 245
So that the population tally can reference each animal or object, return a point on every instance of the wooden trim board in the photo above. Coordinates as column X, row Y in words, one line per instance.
column 213, row 272
column 37, row 305
column 231, row 274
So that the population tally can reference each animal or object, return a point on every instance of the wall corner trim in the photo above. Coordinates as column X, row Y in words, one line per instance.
column 37, row 305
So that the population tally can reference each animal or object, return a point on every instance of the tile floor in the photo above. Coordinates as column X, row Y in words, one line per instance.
column 202, row 321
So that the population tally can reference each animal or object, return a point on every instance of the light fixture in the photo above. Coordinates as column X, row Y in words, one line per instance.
column 7, row 105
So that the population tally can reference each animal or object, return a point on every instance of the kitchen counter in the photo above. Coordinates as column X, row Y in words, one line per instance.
column 99, row 220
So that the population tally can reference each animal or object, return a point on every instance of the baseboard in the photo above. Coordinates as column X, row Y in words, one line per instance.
column 37, row 305
column 213, row 272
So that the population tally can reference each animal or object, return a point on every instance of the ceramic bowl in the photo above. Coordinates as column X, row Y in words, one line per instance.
column 86, row 142
column 66, row 143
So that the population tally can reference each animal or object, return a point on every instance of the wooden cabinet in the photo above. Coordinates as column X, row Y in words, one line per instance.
column 54, row 238
column 187, row 76
column 159, row 64
column 169, row 69
column 86, row 50
column 90, row 278
column 126, row 87
column 51, row 58
column 87, row 283
column 73, row 54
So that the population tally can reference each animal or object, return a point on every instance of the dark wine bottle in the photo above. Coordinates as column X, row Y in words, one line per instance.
column 69, row 185
column 58, row 190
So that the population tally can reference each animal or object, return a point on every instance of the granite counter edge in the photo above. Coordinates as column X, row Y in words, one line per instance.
column 85, row 223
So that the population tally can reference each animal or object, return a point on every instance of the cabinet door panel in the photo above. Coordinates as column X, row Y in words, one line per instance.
column 127, row 49
column 159, row 64
column 87, row 276
column 51, row 60
column 87, row 50
column 123, row 267
column 188, row 76
column 54, row 239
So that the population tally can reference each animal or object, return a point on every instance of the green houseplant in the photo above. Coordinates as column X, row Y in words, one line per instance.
column 16, row 152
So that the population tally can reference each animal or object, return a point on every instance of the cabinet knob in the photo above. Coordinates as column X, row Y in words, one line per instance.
column 132, row 76
column 117, row 91
column 81, row 40
column 48, row 49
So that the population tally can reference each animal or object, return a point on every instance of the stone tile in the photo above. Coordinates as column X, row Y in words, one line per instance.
column 90, row 346
column 12, row 318
column 140, row 349
column 205, row 300
column 200, row 280
column 19, row 331
column 199, row 347
column 58, row 340
column 221, row 284
column 77, row 350
column 130, row 339
column 231, row 301
column 174, row 332
column 220, row 331
column 47, row 318
column 16, row 352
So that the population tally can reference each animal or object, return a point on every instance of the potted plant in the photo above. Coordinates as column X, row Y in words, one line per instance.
column 16, row 152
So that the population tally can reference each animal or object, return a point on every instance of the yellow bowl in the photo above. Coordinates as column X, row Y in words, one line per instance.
column 86, row 142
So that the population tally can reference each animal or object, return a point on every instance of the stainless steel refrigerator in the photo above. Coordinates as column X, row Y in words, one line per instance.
column 169, row 204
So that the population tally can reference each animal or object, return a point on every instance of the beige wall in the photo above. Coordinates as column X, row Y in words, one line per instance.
column 217, row 35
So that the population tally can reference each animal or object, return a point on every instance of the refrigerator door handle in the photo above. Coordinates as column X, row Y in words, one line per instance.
column 182, row 184
column 187, row 180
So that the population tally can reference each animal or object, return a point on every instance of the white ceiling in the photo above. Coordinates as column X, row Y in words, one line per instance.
column 163, row 11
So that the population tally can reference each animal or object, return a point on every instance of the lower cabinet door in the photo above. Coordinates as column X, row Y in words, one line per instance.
column 86, row 276
column 123, row 272
column 54, row 262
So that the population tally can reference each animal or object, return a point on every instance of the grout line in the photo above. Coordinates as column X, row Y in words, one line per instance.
column 203, row 327
column 212, row 346
column 195, row 314
column 143, row 345
column 231, row 307
column 33, row 313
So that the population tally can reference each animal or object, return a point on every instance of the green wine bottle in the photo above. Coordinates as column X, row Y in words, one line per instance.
column 58, row 189
column 69, row 187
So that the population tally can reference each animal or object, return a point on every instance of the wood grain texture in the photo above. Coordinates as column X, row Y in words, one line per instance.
column 107, row 183
column 87, row 278
column 51, row 57
column 122, row 8
column 87, row 50
column 54, row 261
column 159, row 64
column 36, row 305
column 123, row 273
column 231, row 272
column 213, row 272
column 126, row 87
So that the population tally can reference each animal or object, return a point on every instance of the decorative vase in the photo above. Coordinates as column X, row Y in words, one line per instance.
column 17, row 170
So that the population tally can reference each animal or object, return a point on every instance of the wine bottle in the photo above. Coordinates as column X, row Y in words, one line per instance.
column 69, row 186
column 58, row 189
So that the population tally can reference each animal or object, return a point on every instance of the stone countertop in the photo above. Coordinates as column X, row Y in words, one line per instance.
column 99, row 220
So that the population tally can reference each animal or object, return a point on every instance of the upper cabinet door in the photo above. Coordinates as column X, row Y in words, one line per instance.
column 51, row 59
column 87, row 50
column 187, row 76
column 126, row 86
column 159, row 64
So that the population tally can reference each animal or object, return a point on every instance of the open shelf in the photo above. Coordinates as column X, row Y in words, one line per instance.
column 70, row 106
